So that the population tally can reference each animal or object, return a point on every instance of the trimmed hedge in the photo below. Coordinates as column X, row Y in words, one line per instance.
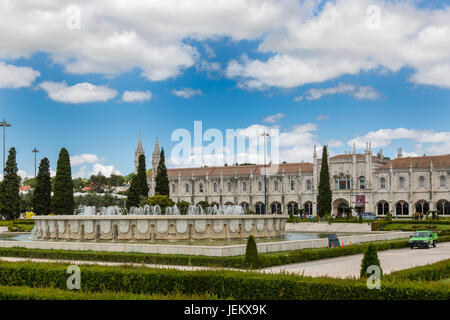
column 223, row 284
column 265, row 259
column 431, row 272
column 27, row 293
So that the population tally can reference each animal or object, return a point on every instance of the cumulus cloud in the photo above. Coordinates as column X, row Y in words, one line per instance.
column 338, row 38
column 136, row 96
column 334, row 143
column 359, row 92
column 323, row 117
column 16, row 77
column 79, row 93
column 104, row 170
column 187, row 93
column 274, row 118
column 84, row 158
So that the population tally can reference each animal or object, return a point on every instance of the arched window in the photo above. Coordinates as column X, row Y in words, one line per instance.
column 187, row 187
column 308, row 185
column 174, row 188
column 276, row 207
column 244, row 186
column 422, row 207
column 442, row 181
column 260, row 186
column 215, row 187
column 200, row 187
column 343, row 183
column 383, row 183
column 259, row 208
column 401, row 182
column 421, row 182
column 362, row 183
column 245, row 206
column 382, row 208
column 275, row 185
column 229, row 186
column 443, row 207
column 292, row 207
column 292, row 186
column 402, row 208
column 308, row 208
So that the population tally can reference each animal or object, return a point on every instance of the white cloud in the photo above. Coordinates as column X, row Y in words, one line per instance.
column 274, row 118
column 105, row 170
column 334, row 143
column 136, row 96
column 16, row 77
column 359, row 92
column 323, row 117
column 336, row 39
column 187, row 93
column 22, row 174
column 84, row 158
column 79, row 93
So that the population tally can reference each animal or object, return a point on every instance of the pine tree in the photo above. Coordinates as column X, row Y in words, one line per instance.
column 9, row 188
column 43, row 190
column 63, row 201
column 142, row 177
column 251, row 253
column 133, row 193
column 324, row 197
column 370, row 259
column 162, row 180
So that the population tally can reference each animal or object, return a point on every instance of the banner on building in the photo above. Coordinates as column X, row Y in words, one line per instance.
column 360, row 200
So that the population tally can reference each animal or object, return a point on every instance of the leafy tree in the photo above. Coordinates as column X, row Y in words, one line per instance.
column 9, row 188
column 115, row 180
column 43, row 191
column 129, row 177
column 204, row 204
column 26, row 202
column 62, row 201
column 79, row 183
column 98, row 182
column 389, row 216
column 324, row 197
column 162, row 201
column 133, row 193
column 162, row 180
column 142, row 177
column 92, row 199
column 251, row 253
column 370, row 258
column 360, row 210
column 183, row 206
column 29, row 182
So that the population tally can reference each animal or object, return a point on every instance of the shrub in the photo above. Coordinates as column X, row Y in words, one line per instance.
column 370, row 259
column 388, row 216
column 251, row 253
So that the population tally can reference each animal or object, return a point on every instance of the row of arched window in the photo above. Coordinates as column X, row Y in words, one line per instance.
column 421, row 180
column 422, row 206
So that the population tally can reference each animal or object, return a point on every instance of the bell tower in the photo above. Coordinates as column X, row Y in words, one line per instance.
column 139, row 150
column 156, row 156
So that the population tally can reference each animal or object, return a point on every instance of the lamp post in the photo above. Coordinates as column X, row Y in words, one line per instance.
column 4, row 124
column 265, row 134
column 35, row 151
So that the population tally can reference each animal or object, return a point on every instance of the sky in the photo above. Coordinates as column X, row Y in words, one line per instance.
column 91, row 76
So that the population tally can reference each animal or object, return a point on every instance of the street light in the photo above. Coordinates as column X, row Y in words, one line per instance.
column 265, row 134
column 35, row 151
column 4, row 124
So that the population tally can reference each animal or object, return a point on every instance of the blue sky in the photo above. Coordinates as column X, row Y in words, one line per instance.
column 326, row 91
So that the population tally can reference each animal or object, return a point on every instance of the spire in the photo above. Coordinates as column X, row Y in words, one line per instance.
column 140, row 149
column 156, row 146
column 399, row 153
column 354, row 147
column 315, row 152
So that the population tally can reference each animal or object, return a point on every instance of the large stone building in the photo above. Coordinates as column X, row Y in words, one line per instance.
column 402, row 186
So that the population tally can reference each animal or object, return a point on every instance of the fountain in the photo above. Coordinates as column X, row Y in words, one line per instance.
column 155, row 223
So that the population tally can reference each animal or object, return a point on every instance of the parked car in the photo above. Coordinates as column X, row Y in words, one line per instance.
column 423, row 239
column 367, row 216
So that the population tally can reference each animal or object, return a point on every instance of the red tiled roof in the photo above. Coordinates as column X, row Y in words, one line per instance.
column 419, row 162
column 240, row 170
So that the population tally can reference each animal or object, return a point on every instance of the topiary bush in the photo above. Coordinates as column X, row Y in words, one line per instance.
column 251, row 253
column 370, row 258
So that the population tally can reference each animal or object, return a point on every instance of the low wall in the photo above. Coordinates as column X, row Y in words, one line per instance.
column 159, row 227
column 3, row 229
column 326, row 227
column 217, row 251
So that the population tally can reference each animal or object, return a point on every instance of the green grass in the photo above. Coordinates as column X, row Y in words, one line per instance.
column 27, row 293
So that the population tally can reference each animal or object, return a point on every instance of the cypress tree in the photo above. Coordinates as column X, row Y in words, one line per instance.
column 370, row 258
column 9, row 188
column 324, row 197
column 142, row 177
column 162, row 180
column 43, row 190
column 251, row 252
column 133, row 193
column 63, row 201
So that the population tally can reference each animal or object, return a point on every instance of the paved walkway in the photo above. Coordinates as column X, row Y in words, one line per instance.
column 349, row 266
column 342, row 267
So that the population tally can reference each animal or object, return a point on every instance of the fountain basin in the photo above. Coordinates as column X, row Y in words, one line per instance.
column 159, row 227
